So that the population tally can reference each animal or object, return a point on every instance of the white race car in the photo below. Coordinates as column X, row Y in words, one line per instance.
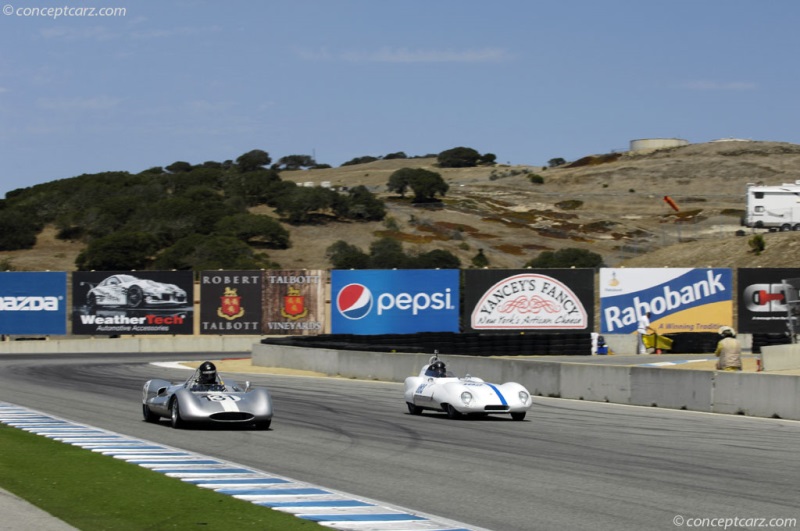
column 438, row 389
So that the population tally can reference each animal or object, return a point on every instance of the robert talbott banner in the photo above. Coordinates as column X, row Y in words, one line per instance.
column 132, row 302
column 293, row 302
column 545, row 300
column 230, row 302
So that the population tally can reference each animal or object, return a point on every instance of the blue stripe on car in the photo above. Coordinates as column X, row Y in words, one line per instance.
column 499, row 394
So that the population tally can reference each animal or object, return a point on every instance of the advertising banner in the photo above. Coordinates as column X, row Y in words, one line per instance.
column 545, row 300
column 679, row 300
column 132, row 302
column 33, row 303
column 403, row 301
column 761, row 300
column 294, row 302
column 230, row 302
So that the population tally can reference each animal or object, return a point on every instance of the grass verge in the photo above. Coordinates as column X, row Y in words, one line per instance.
column 91, row 491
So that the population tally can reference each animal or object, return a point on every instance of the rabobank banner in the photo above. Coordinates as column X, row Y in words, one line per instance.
column 679, row 300
column 33, row 303
column 545, row 300
column 402, row 301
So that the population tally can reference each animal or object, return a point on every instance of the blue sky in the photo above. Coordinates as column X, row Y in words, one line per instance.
column 527, row 80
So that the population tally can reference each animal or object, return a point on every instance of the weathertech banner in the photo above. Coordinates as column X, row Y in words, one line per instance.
column 389, row 301
column 230, row 302
column 546, row 300
column 762, row 301
column 33, row 303
column 679, row 300
column 294, row 302
column 132, row 302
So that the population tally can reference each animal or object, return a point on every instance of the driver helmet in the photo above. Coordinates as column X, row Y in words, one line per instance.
column 208, row 373
column 727, row 331
column 438, row 368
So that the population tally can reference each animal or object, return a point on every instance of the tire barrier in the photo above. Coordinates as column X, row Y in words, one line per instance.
column 765, row 340
column 466, row 344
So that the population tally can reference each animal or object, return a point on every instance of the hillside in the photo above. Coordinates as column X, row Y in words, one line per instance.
column 612, row 205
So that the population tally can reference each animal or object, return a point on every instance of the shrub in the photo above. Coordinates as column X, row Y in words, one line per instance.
column 757, row 244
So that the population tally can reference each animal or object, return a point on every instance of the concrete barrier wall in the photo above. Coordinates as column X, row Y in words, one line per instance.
column 780, row 357
column 672, row 389
column 757, row 395
column 596, row 383
column 754, row 394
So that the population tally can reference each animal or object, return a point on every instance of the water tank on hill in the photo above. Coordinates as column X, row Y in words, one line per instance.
column 651, row 144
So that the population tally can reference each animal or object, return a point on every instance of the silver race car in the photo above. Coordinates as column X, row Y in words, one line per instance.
column 128, row 291
column 206, row 398
column 438, row 389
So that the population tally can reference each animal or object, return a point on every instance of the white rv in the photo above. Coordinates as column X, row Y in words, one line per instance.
column 773, row 207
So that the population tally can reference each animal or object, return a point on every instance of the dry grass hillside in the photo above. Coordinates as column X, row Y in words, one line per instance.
column 611, row 204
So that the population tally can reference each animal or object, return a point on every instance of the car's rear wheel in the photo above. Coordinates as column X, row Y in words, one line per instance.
column 175, row 415
column 414, row 410
column 148, row 415
column 452, row 413
column 520, row 415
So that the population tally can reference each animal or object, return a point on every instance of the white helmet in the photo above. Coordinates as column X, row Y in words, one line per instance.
column 727, row 331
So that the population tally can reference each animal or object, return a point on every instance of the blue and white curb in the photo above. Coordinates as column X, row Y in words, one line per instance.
column 678, row 362
column 328, row 507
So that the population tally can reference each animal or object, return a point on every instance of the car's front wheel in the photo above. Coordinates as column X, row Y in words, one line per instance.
column 135, row 296
column 263, row 424
column 148, row 415
column 452, row 413
column 175, row 415
column 520, row 415
column 414, row 410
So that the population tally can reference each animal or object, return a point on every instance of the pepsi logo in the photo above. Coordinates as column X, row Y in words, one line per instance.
column 354, row 301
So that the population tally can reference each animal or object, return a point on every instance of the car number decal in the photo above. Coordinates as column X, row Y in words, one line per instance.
column 222, row 398
column 420, row 389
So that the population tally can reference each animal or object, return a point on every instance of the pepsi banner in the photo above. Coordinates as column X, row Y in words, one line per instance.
column 132, row 302
column 230, row 302
column 762, row 304
column 33, row 303
column 403, row 301
column 545, row 300
column 679, row 300
column 293, row 302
